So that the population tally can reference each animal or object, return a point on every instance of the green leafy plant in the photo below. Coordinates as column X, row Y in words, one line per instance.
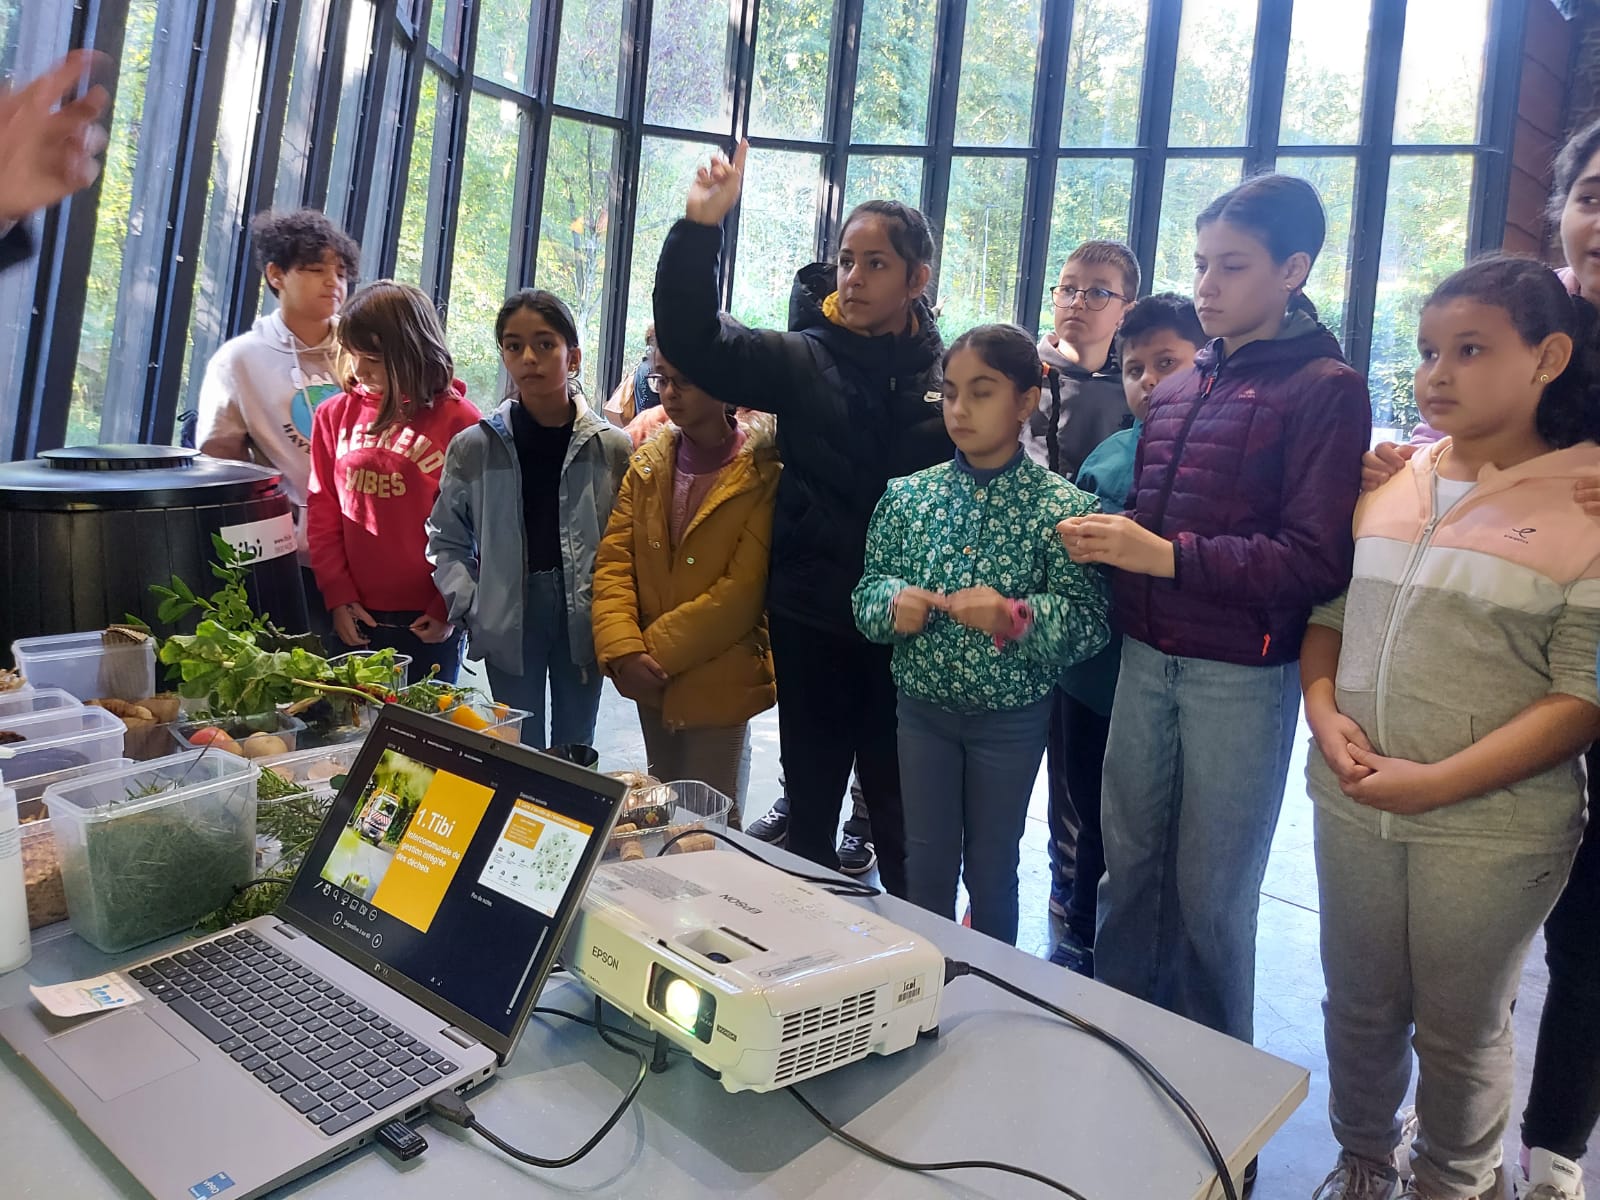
column 243, row 664
column 229, row 606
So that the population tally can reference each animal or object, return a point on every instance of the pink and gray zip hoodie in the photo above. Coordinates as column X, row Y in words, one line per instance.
column 1456, row 621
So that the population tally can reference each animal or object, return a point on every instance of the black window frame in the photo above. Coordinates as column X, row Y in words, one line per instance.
column 399, row 53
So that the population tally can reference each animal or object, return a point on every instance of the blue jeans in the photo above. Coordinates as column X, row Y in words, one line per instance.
column 966, row 779
column 1195, row 770
column 546, row 651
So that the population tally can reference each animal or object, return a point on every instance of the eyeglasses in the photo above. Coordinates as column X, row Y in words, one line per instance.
column 1094, row 298
column 659, row 383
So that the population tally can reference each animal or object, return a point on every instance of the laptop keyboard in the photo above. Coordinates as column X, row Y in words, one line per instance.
column 321, row 1051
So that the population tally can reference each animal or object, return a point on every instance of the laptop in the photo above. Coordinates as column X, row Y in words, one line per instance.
column 403, row 963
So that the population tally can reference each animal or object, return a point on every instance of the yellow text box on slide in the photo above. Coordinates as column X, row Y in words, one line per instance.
column 426, row 860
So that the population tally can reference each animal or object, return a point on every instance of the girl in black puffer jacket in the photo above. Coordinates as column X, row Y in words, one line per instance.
column 855, row 386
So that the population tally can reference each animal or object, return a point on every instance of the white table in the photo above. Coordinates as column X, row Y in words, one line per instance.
column 1003, row 1081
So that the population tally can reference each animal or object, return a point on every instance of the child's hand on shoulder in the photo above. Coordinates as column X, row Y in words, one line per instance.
column 1117, row 541
column 1380, row 463
column 981, row 608
column 1587, row 493
column 1397, row 785
column 911, row 608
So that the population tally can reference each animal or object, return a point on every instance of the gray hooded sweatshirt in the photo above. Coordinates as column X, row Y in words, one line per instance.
column 476, row 541
column 257, row 399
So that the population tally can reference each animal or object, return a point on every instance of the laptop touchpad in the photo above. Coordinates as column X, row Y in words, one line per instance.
column 115, row 1055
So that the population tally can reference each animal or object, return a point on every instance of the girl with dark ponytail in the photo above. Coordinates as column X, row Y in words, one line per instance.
column 1564, row 1096
column 1451, row 691
column 1244, row 485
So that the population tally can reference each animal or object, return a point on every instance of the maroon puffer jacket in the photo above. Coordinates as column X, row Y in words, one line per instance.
column 1251, row 466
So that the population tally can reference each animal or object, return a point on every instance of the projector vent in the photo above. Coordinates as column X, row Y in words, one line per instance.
column 812, row 1021
column 821, row 1054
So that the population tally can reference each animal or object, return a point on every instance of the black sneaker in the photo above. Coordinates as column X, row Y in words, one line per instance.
column 772, row 827
column 1072, row 954
column 856, row 855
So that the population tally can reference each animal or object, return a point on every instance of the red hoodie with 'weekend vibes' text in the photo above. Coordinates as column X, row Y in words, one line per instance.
column 370, row 495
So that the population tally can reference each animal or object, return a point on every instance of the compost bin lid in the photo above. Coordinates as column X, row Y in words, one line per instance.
column 123, row 477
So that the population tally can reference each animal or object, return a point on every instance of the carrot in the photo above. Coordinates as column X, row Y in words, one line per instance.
column 464, row 716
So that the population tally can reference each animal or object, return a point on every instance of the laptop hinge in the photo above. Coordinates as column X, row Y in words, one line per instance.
column 460, row 1037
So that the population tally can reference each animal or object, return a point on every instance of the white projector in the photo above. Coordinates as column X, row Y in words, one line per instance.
column 765, row 979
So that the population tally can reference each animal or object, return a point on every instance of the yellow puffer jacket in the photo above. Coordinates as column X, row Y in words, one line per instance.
column 699, row 611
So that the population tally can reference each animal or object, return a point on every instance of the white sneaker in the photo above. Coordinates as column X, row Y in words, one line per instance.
column 1546, row 1176
column 1402, row 1152
column 1355, row 1178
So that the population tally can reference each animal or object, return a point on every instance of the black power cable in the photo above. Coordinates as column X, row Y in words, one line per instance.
column 954, row 969
column 923, row 1168
column 453, row 1108
column 838, row 887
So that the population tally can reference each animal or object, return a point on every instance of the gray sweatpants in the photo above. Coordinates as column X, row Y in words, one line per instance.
column 1430, row 937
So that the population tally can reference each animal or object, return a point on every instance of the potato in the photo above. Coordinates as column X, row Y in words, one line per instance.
column 263, row 745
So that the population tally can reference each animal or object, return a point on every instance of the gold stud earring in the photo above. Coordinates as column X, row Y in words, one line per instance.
column 1544, row 379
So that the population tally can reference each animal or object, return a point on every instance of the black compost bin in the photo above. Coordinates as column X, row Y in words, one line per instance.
column 85, row 531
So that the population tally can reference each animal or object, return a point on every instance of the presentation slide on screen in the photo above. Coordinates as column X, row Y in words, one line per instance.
column 405, row 839
column 536, row 856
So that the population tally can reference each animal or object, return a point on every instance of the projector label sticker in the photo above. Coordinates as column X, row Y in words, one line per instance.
column 798, row 966
column 660, row 885
column 910, row 992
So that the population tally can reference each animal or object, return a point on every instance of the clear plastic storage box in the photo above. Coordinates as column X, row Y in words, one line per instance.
column 298, row 797
column 402, row 664
column 149, row 849
column 241, row 729
column 659, row 812
column 57, row 740
column 41, row 858
column 25, row 704
column 490, row 717
column 84, row 665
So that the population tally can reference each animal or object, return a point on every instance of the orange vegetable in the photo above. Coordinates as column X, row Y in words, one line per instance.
column 445, row 701
column 464, row 716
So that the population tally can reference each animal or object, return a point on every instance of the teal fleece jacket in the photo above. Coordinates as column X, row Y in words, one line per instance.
column 945, row 529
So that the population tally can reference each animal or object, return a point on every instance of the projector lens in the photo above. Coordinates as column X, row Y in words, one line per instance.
column 682, row 1001
column 687, row 1005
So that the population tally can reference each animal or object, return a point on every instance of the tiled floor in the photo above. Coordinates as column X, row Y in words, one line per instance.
column 1289, row 975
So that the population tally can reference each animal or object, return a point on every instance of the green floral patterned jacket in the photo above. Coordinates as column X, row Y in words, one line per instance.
column 943, row 530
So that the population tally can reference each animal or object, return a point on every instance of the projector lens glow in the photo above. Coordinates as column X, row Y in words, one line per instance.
column 682, row 1002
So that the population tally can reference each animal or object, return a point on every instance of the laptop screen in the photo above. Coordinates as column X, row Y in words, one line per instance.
column 454, row 861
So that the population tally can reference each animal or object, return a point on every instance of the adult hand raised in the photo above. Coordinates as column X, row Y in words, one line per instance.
column 49, row 149
column 716, row 188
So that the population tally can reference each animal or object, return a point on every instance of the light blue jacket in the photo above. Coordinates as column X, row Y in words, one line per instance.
column 476, row 542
